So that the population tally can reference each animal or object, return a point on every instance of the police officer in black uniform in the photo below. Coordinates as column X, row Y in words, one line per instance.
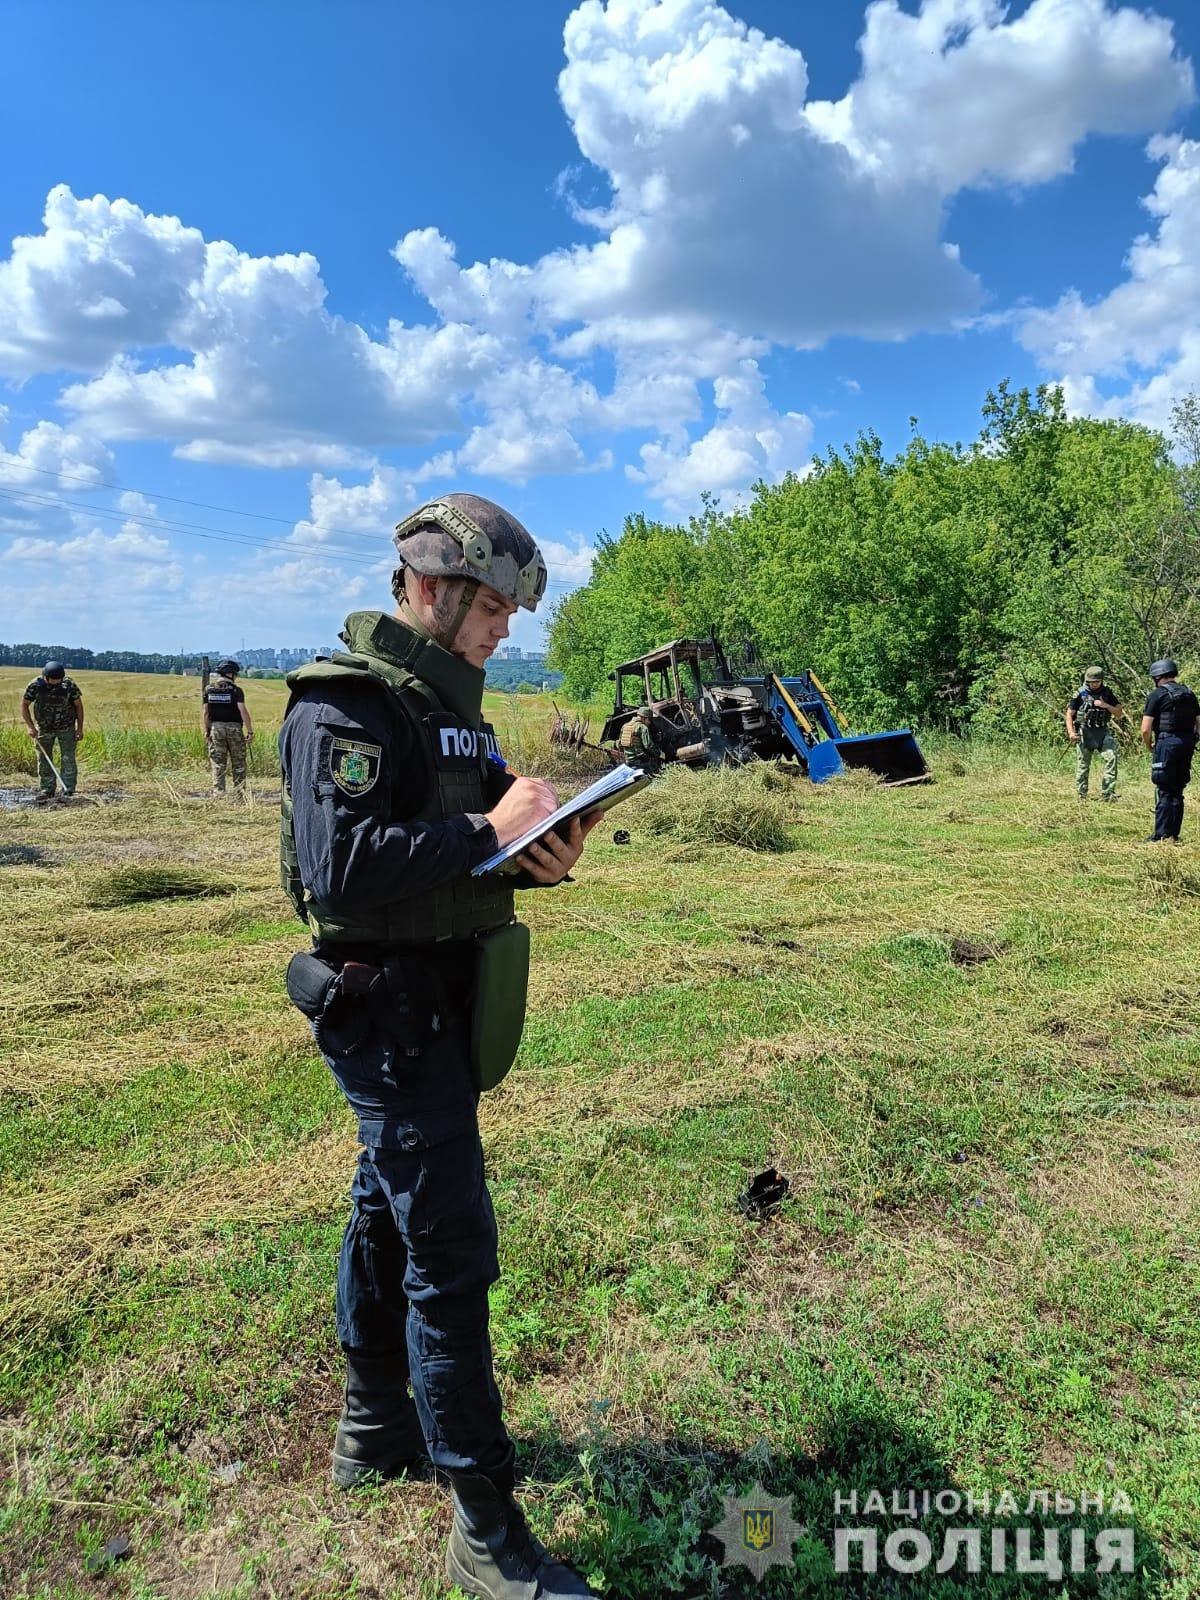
column 1170, row 726
column 393, row 790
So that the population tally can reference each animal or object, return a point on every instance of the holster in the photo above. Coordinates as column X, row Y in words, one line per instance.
column 400, row 999
column 498, row 1003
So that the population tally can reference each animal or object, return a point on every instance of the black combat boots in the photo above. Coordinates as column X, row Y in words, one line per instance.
column 378, row 1433
column 492, row 1553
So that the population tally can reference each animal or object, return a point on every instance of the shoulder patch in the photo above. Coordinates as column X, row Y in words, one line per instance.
column 353, row 765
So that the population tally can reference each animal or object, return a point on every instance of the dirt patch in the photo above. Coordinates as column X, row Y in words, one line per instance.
column 758, row 937
column 973, row 952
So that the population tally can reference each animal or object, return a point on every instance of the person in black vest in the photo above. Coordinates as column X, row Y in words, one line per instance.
column 393, row 791
column 227, row 727
column 1170, row 727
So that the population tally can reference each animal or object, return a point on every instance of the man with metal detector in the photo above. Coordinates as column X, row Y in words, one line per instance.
column 415, row 990
column 52, row 710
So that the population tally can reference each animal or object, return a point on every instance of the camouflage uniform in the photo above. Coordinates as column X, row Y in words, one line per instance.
column 53, row 708
column 639, row 746
column 1092, row 708
column 227, row 746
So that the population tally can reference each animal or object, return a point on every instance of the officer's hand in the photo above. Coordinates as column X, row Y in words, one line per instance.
column 524, row 804
column 551, row 858
column 250, row 736
column 1073, row 737
column 32, row 732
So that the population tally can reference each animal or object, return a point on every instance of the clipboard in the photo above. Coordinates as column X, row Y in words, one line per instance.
column 602, row 795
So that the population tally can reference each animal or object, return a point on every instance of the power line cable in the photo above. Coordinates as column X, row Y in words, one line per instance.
column 153, row 494
column 196, row 530
column 187, row 529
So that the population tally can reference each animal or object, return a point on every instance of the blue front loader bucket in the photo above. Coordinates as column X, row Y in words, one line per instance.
column 895, row 757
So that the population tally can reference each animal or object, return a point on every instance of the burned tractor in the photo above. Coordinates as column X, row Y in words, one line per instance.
column 701, row 715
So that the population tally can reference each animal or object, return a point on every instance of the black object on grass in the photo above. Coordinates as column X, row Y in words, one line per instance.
column 765, row 1194
column 118, row 1549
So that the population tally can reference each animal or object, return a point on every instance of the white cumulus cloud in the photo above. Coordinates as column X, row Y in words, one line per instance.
column 749, row 441
column 1141, row 340
column 269, row 375
column 734, row 215
column 962, row 94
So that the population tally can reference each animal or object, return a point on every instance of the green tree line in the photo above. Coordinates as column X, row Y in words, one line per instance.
column 80, row 658
column 960, row 586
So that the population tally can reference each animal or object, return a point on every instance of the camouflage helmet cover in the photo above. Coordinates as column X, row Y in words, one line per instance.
column 645, row 713
column 466, row 536
column 1093, row 675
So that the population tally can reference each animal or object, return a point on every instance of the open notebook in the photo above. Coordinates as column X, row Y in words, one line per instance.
column 607, row 791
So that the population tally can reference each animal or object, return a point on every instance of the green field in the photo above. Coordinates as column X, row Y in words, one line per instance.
column 961, row 1018
column 149, row 723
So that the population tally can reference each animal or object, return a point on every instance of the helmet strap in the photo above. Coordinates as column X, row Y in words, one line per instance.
column 465, row 602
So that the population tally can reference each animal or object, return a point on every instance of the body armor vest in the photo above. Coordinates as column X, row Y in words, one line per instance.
column 53, row 705
column 442, row 697
column 1093, row 718
column 1179, row 714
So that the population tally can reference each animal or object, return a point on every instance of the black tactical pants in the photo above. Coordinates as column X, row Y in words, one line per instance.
column 419, row 1251
column 1170, row 772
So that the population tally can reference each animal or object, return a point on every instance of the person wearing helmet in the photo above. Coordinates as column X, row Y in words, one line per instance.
column 638, row 743
column 52, row 710
column 394, row 789
column 1089, row 727
column 227, row 727
column 1170, row 726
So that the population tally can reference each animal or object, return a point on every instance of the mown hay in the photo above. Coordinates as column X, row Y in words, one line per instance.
column 132, row 885
column 742, row 806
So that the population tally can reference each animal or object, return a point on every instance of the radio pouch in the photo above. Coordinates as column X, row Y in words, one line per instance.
column 498, row 1004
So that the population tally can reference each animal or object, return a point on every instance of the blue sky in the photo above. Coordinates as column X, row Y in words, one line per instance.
column 311, row 265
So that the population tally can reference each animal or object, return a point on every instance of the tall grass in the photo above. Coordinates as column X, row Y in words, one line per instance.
column 111, row 751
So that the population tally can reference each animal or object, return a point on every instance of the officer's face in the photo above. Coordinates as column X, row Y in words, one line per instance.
column 484, row 626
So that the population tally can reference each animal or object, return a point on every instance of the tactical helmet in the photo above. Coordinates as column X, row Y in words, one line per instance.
column 466, row 536
column 1165, row 668
column 54, row 669
column 644, row 712
column 228, row 668
column 1094, row 675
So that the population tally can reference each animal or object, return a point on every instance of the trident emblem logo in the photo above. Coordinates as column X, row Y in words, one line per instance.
column 758, row 1529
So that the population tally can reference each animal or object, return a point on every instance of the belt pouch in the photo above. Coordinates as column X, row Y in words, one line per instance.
column 317, row 991
column 498, row 1003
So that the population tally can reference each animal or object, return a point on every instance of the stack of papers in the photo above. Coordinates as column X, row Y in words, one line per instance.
column 607, row 791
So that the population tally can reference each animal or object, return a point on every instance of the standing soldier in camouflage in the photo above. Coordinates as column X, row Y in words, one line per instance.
column 1089, row 727
column 227, row 727
column 52, row 708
